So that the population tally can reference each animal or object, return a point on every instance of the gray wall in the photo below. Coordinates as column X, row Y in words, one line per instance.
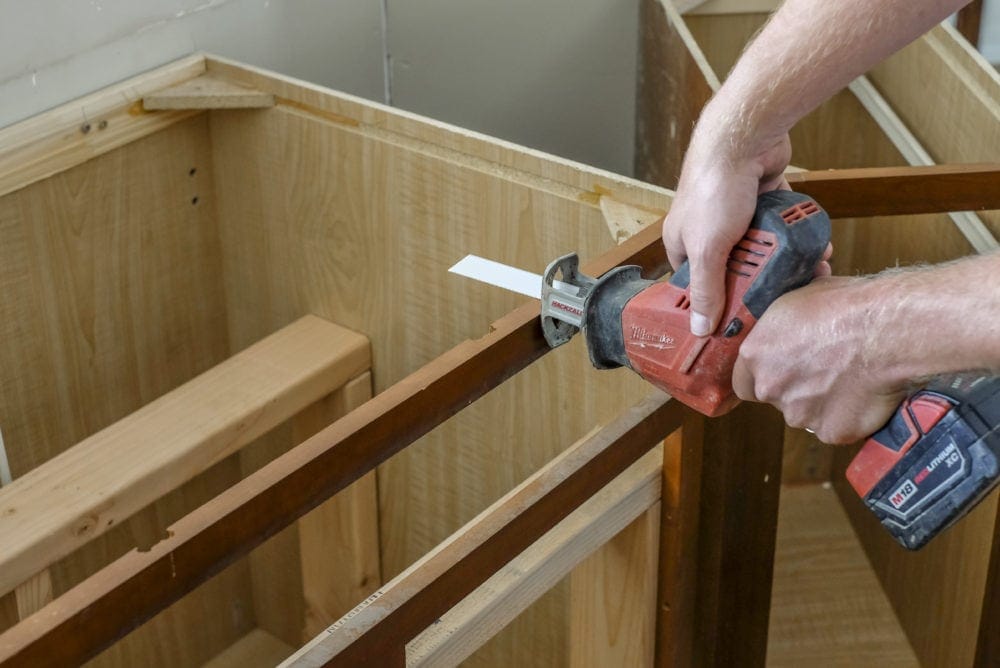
column 553, row 75
column 557, row 75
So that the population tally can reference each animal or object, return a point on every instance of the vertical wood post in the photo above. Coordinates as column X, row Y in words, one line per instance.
column 988, row 643
column 969, row 21
column 720, row 520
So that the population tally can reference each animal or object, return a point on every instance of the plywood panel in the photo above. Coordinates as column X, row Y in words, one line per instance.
column 827, row 607
column 359, row 223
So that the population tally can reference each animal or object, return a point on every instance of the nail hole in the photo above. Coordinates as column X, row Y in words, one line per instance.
column 85, row 128
column 192, row 171
column 194, row 200
column 102, row 125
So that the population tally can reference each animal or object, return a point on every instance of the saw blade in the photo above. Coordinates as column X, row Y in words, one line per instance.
column 505, row 276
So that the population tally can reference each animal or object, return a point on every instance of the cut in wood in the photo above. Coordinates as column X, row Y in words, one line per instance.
column 484, row 612
column 207, row 92
column 103, row 480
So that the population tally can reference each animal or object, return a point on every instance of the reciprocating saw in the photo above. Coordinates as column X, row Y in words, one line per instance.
column 934, row 460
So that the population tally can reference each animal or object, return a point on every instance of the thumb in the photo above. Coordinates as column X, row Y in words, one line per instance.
column 708, row 293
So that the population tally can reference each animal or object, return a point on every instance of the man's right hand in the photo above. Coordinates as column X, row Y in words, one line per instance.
column 713, row 208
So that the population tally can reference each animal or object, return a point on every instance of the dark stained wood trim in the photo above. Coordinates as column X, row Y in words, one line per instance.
column 988, row 641
column 737, row 525
column 892, row 191
column 970, row 21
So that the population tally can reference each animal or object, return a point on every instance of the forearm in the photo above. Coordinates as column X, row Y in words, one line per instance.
column 807, row 52
column 934, row 320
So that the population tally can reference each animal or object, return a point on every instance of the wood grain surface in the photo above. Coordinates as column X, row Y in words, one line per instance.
column 827, row 606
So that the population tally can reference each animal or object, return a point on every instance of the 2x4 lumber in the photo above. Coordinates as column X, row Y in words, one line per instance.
column 342, row 530
column 509, row 591
column 294, row 589
column 207, row 92
column 104, row 479
column 66, row 136
column 373, row 632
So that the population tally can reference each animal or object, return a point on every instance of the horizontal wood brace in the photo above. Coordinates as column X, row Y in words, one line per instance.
column 101, row 481
column 207, row 92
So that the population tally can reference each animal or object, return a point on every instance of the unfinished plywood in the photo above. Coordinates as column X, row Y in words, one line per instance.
column 257, row 649
column 613, row 597
column 827, row 607
column 624, row 513
column 207, row 92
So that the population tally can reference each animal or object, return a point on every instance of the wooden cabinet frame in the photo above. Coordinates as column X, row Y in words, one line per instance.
column 702, row 508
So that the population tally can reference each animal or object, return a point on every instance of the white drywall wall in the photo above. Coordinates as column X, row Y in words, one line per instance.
column 989, row 36
column 559, row 76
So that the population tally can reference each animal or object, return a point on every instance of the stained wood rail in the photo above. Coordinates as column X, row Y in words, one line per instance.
column 893, row 191
column 105, row 479
column 377, row 631
column 131, row 590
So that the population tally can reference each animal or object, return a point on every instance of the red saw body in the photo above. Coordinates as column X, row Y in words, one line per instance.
column 644, row 325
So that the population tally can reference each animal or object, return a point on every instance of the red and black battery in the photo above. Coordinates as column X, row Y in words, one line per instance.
column 935, row 459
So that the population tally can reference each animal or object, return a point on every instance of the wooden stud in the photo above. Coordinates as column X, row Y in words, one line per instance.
column 341, row 531
column 103, row 480
column 207, row 92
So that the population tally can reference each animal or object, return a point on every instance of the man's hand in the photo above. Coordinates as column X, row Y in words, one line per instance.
column 712, row 211
column 813, row 357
